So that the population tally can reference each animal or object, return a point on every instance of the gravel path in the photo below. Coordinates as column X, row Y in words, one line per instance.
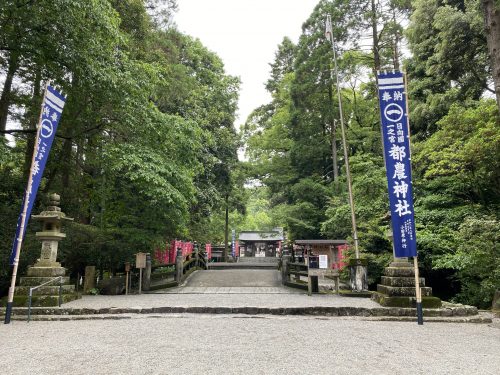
column 251, row 298
column 244, row 345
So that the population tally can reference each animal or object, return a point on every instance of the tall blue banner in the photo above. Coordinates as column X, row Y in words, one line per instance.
column 52, row 107
column 396, row 138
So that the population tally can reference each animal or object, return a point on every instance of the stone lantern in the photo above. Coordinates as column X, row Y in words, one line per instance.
column 47, row 267
column 50, row 236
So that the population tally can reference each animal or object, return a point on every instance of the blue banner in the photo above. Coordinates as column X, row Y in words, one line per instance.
column 396, row 138
column 52, row 107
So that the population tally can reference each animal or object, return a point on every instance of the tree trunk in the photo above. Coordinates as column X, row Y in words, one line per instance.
column 7, row 88
column 226, row 230
column 492, row 26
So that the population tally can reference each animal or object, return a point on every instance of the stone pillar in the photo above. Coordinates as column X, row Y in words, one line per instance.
column 178, row 266
column 89, row 282
column 196, row 254
column 285, row 259
column 205, row 256
column 146, row 277
column 495, row 306
column 358, row 269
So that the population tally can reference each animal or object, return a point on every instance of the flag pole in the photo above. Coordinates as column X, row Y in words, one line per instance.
column 418, row 291
column 10, row 298
column 329, row 35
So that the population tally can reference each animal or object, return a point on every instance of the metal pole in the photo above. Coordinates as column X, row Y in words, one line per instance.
column 329, row 33
column 29, row 304
column 10, row 299
column 60, row 290
column 126, row 284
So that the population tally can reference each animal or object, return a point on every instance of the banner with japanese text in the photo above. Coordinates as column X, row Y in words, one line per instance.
column 52, row 107
column 396, row 139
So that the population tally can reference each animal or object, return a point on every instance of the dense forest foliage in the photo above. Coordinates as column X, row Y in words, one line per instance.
column 146, row 150
column 294, row 147
column 146, row 147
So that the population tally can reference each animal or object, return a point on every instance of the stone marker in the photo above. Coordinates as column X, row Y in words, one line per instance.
column 496, row 301
column 89, row 282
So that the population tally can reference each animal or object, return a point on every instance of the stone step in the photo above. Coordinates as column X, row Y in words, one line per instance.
column 33, row 281
column 433, row 310
column 46, row 271
column 399, row 271
column 401, row 264
column 402, row 291
column 401, row 281
column 258, row 260
column 45, row 290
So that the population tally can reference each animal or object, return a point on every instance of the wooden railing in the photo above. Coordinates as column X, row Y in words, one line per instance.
column 172, row 274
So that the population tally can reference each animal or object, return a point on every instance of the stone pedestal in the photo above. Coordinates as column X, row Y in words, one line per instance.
column 46, row 267
column 397, row 288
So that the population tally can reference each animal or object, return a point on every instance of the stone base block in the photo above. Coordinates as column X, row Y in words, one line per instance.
column 43, row 301
column 401, row 281
column 400, row 301
column 46, row 271
column 33, row 281
column 45, row 290
column 402, row 291
column 47, row 264
column 399, row 271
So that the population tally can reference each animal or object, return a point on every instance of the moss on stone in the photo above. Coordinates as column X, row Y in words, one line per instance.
column 401, row 301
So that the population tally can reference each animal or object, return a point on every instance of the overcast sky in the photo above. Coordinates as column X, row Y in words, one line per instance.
column 245, row 34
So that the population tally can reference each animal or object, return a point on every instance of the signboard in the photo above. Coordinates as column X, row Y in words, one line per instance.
column 140, row 260
column 323, row 261
column 396, row 139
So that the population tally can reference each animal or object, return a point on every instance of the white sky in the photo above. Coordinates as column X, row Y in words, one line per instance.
column 245, row 34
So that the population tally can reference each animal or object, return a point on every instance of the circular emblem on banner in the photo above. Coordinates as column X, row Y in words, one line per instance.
column 393, row 112
column 47, row 128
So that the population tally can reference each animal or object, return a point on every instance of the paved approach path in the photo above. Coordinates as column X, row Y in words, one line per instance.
column 225, row 288
column 247, row 345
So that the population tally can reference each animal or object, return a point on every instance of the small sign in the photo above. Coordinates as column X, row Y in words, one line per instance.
column 140, row 260
column 127, row 267
column 323, row 261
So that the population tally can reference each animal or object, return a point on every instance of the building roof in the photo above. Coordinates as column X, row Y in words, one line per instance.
column 321, row 242
column 261, row 236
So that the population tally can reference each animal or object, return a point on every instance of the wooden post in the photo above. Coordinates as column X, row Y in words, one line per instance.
column 127, row 270
column 140, row 280
column 418, row 293
column 147, row 273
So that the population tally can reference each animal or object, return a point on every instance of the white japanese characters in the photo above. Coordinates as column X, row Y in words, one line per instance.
column 397, row 157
